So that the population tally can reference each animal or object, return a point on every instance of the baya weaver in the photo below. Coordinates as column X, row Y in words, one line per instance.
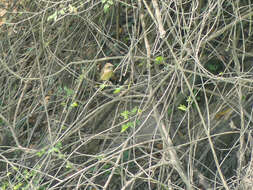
column 106, row 72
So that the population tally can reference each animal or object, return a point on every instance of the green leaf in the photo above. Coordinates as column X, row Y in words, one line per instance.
column 54, row 149
column 4, row 185
column 189, row 99
column 102, row 86
column 117, row 90
column 124, row 128
column 134, row 110
column 69, row 165
column 159, row 60
column 125, row 114
column 110, row 2
column 62, row 12
column 53, row 16
column 130, row 124
column 16, row 187
column 74, row 104
column 8, row 174
column 58, row 145
column 182, row 107
column 106, row 7
column 72, row 9
column 169, row 111
column 69, row 91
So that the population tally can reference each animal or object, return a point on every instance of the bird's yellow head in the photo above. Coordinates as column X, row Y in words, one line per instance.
column 106, row 72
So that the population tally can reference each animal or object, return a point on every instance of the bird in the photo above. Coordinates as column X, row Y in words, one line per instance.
column 106, row 72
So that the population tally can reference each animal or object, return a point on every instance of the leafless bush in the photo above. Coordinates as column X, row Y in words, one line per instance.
column 177, row 114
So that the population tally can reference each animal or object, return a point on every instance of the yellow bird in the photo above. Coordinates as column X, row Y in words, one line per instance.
column 107, row 72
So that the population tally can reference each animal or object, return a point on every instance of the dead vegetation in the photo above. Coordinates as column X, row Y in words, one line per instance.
column 176, row 114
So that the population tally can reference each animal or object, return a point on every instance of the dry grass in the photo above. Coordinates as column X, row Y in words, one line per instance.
column 182, row 90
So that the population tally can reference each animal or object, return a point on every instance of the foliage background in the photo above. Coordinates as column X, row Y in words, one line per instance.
column 176, row 115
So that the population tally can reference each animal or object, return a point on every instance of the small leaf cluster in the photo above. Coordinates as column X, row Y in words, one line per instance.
column 107, row 5
column 126, row 114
